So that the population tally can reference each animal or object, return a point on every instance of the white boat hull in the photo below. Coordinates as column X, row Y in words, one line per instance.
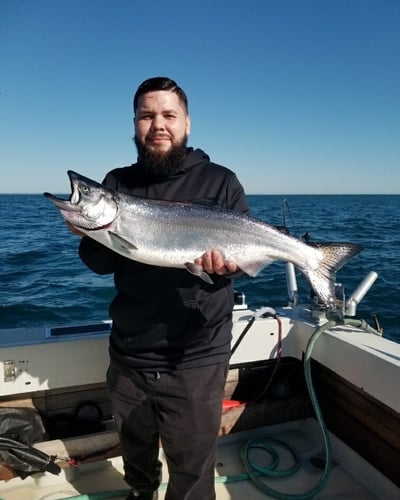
column 45, row 371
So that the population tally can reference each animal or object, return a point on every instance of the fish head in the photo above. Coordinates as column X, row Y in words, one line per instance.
column 91, row 205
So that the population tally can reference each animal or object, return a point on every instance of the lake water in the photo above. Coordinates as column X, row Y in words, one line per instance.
column 43, row 281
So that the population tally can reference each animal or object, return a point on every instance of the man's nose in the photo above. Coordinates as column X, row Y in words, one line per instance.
column 157, row 123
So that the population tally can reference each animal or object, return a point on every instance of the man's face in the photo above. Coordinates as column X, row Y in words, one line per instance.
column 161, row 121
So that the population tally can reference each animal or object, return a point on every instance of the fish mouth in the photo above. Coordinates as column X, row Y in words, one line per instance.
column 70, row 204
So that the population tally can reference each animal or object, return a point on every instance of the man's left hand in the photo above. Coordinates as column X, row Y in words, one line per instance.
column 213, row 261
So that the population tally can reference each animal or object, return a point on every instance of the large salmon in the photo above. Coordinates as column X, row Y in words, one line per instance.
column 173, row 234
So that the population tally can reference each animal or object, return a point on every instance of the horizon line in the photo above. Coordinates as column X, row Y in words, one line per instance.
column 247, row 194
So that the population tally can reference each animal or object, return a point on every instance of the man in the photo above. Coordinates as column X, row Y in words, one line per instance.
column 171, row 333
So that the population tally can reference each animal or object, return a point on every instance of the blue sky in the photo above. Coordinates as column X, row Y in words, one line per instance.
column 295, row 96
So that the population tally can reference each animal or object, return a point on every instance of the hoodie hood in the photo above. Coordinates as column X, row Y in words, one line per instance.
column 193, row 158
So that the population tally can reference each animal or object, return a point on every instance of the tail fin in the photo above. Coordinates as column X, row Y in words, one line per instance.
column 322, row 279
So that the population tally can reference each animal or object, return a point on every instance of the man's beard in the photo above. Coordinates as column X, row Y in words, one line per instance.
column 161, row 164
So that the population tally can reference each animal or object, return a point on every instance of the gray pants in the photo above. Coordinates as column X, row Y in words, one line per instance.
column 183, row 409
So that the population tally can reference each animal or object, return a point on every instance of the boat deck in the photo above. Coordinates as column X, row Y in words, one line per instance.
column 107, row 476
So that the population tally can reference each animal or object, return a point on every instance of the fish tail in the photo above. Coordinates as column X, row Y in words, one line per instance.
column 322, row 279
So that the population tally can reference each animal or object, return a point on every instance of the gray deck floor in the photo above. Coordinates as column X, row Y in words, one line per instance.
column 107, row 476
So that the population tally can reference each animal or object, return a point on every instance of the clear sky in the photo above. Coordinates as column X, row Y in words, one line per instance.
column 295, row 96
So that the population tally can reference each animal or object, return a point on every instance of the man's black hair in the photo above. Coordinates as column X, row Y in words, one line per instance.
column 159, row 83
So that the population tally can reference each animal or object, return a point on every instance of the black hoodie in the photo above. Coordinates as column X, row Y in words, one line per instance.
column 164, row 318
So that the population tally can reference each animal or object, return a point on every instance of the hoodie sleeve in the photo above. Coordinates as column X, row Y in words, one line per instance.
column 97, row 257
column 236, row 198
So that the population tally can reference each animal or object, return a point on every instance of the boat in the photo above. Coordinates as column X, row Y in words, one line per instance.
column 311, row 408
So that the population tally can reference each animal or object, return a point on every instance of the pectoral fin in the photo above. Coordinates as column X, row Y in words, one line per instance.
column 120, row 243
column 198, row 271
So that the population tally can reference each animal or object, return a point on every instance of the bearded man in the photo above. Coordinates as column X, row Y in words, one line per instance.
column 171, row 331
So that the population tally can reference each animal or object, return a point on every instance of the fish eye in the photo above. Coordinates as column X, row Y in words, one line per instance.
column 85, row 189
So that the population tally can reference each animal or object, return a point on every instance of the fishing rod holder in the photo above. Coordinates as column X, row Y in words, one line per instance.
column 359, row 293
column 291, row 281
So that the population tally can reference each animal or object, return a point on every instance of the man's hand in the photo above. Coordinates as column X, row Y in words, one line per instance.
column 74, row 230
column 213, row 261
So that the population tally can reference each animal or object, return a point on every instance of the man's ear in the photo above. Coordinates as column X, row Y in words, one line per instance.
column 188, row 125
